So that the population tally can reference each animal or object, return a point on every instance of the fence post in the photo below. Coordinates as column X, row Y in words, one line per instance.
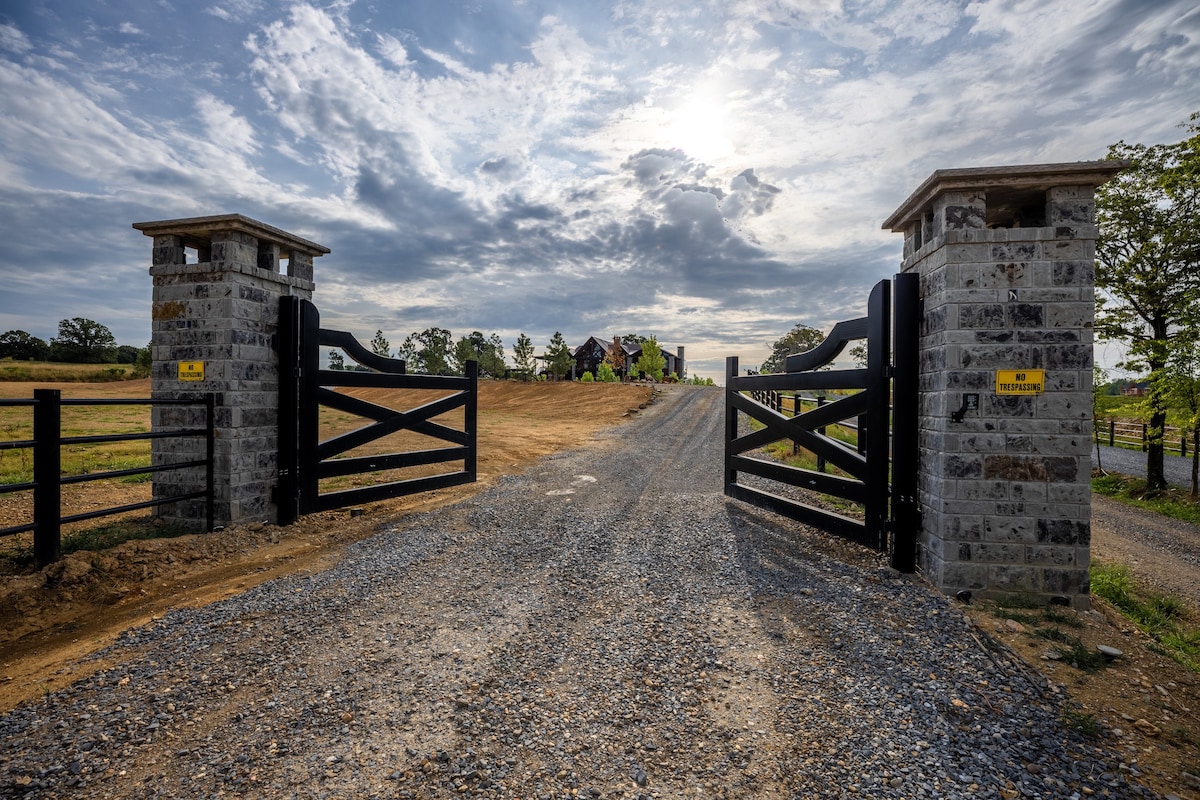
column 1112, row 432
column 821, row 430
column 470, row 420
column 1144, row 437
column 47, row 472
column 731, row 428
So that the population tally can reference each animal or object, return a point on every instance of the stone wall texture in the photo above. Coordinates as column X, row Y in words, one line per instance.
column 223, row 312
column 1005, row 494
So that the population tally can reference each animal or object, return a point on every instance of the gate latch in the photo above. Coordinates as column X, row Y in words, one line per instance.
column 970, row 402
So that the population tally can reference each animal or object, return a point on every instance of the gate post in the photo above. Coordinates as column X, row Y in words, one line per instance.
column 215, row 323
column 1005, row 261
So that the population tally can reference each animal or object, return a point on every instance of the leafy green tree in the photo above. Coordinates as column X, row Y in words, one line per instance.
column 127, row 354
column 487, row 351
column 428, row 352
column 381, row 346
column 651, row 361
column 558, row 356
column 21, row 346
column 464, row 352
column 1148, row 265
column 144, row 362
column 492, row 359
column 1183, row 390
column 83, row 341
column 605, row 373
column 523, row 363
column 799, row 339
column 336, row 360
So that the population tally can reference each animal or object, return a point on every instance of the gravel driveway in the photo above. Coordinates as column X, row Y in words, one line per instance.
column 1176, row 469
column 605, row 625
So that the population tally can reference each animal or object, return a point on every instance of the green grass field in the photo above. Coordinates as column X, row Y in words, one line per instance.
column 53, row 372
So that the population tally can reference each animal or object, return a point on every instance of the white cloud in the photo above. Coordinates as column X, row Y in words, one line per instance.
column 226, row 128
column 538, row 151
column 14, row 40
column 231, row 10
column 393, row 50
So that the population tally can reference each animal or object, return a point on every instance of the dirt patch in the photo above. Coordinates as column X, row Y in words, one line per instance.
column 52, row 619
column 1143, row 705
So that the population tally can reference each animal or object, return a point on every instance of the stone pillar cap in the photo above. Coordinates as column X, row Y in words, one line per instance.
column 1022, row 177
column 198, row 231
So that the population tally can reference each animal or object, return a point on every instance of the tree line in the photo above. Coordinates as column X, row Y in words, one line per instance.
column 79, row 341
column 435, row 351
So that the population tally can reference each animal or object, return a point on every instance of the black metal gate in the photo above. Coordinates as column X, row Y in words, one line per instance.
column 880, row 473
column 304, row 460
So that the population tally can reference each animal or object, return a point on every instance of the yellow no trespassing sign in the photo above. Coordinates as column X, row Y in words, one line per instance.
column 191, row 370
column 1020, row 381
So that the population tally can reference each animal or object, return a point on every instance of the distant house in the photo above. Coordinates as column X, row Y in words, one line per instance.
column 590, row 355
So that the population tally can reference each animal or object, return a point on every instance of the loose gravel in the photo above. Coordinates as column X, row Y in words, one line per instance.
column 606, row 625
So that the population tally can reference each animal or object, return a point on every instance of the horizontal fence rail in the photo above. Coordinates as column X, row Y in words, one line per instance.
column 48, row 480
column 875, row 465
column 865, row 467
column 306, row 459
column 786, row 404
column 1134, row 435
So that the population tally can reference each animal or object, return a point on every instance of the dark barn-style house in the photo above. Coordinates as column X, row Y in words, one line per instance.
column 590, row 355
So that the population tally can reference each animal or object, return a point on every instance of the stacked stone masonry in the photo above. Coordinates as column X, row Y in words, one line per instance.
column 222, row 310
column 1005, row 258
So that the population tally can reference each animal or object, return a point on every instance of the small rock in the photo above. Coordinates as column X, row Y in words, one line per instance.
column 1109, row 652
column 1147, row 727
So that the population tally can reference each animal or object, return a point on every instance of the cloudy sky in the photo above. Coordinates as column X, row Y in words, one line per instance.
column 708, row 172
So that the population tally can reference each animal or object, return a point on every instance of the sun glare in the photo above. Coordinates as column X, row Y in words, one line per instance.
column 698, row 128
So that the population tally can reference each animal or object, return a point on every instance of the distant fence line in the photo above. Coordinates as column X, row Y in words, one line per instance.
column 47, row 443
column 1134, row 435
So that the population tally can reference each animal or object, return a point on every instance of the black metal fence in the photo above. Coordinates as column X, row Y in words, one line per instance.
column 880, row 470
column 305, row 459
column 48, row 480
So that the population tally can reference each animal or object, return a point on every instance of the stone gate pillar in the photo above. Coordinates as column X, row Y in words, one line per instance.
column 215, row 316
column 1005, row 257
